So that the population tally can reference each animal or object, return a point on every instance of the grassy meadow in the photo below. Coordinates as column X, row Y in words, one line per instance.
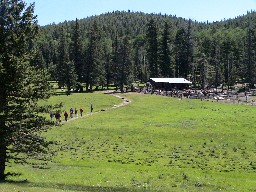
column 154, row 143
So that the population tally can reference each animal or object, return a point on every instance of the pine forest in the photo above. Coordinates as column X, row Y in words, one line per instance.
column 120, row 48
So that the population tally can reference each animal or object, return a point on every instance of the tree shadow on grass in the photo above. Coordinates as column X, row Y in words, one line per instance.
column 60, row 93
column 69, row 187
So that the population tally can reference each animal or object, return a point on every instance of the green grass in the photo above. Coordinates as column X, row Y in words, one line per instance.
column 153, row 144
column 84, row 100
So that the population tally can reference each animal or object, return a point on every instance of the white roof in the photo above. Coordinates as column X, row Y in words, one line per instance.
column 171, row 80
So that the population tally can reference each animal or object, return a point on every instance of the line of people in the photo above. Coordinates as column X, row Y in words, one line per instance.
column 72, row 113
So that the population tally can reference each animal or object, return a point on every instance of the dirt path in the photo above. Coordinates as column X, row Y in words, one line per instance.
column 123, row 103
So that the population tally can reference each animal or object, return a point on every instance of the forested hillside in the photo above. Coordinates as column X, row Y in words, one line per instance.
column 123, row 47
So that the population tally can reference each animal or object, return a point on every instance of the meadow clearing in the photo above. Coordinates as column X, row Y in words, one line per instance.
column 155, row 143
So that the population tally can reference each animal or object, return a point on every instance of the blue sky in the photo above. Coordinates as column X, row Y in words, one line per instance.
column 49, row 11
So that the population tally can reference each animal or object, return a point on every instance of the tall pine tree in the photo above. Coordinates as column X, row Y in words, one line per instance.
column 94, row 69
column 65, row 68
column 182, row 66
column 140, row 70
column 152, row 49
column 22, row 85
column 165, row 55
column 250, row 53
column 124, row 68
column 77, row 50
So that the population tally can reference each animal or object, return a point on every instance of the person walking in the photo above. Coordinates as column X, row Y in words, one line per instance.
column 58, row 116
column 71, row 112
column 81, row 112
column 91, row 107
column 51, row 115
column 76, row 112
column 66, row 116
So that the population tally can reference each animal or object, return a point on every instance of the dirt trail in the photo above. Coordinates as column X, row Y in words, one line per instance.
column 123, row 103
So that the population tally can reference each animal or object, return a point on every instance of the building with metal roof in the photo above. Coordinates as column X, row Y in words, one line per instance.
column 169, row 83
column 171, row 80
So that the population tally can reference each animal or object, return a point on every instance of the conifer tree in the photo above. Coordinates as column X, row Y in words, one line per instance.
column 250, row 54
column 94, row 69
column 65, row 69
column 140, row 71
column 22, row 85
column 38, row 60
column 115, row 60
column 189, row 48
column 182, row 67
column 107, row 49
column 76, row 50
column 203, row 70
column 216, row 63
column 152, row 50
column 124, row 69
column 165, row 55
